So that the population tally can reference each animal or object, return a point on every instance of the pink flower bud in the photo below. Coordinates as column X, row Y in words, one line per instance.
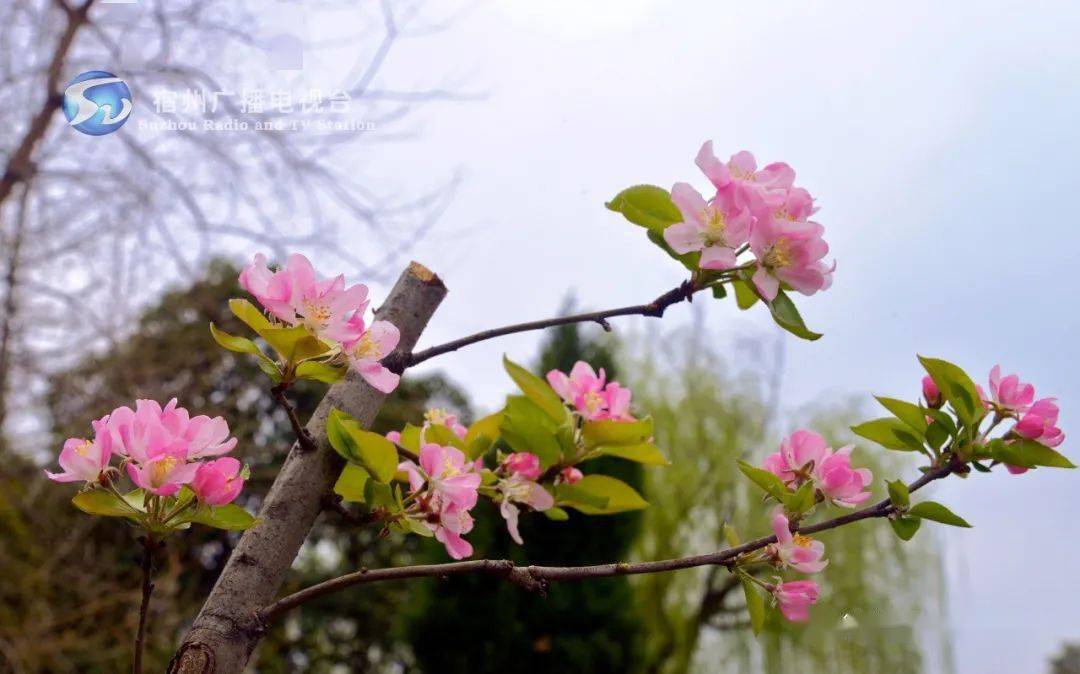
column 931, row 393
column 570, row 475
column 525, row 464
column 795, row 598
column 218, row 482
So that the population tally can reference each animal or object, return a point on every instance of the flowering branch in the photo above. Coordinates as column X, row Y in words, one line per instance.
column 536, row 578
column 656, row 308
column 307, row 442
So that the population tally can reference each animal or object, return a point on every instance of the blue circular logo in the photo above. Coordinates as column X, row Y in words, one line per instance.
column 97, row 103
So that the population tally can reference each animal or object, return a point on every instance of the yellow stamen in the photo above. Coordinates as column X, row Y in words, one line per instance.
column 84, row 448
column 715, row 225
column 593, row 402
column 437, row 416
column 161, row 469
column 367, row 349
column 778, row 255
column 802, row 541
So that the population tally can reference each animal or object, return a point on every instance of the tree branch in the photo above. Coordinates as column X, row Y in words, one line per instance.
column 656, row 308
column 149, row 545
column 303, row 436
column 537, row 578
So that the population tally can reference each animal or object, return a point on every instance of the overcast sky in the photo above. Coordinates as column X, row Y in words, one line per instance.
column 940, row 141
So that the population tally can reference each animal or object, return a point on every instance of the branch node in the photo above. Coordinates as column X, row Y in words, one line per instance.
column 604, row 324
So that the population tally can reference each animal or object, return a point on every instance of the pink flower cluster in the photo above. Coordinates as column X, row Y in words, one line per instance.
column 1035, row 419
column 162, row 449
column 445, row 485
column 761, row 209
column 591, row 394
column 518, row 486
column 806, row 456
column 329, row 310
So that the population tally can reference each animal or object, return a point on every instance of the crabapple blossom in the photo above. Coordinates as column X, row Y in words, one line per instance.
column 518, row 489
column 795, row 598
column 801, row 553
column 839, row 482
column 590, row 394
column 715, row 228
column 451, row 478
column 369, row 346
column 799, row 456
column 1008, row 394
column 83, row 459
column 569, row 475
column 163, row 473
column 296, row 296
column 219, row 481
column 525, row 464
column 750, row 187
column 1040, row 423
column 931, row 393
column 450, row 525
column 439, row 417
column 789, row 251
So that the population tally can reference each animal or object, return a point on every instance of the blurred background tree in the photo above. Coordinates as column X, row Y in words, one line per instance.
column 1068, row 661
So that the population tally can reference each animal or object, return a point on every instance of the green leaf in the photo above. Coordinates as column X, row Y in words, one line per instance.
column 234, row 343
column 1027, row 454
column 930, row 510
column 905, row 527
column 755, row 605
column 620, row 496
column 556, row 514
column 319, row 371
column 229, row 516
column 890, row 433
column 957, row 388
column 936, row 435
column 898, row 493
column 613, row 433
column 772, row 484
column 410, row 438
column 648, row 206
column 911, row 414
column 787, row 317
column 745, row 297
column 250, row 315
column 294, row 343
column 485, row 430
column 536, row 390
column 350, row 485
column 800, row 501
column 379, row 494
column 107, row 504
column 441, row 435
column 526, row 428
column 372, row 451
column 731, row 535
column 644, row 453
column 718, row 291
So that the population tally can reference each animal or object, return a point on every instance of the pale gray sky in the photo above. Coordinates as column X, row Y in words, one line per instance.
column 938, row 138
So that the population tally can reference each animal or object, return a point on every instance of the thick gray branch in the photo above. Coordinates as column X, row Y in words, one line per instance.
column 226, row 630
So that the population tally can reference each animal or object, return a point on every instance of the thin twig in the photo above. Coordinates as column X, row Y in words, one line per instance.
column 537, row 578
column 149, row 546
column 307, row 443
column 656, row 308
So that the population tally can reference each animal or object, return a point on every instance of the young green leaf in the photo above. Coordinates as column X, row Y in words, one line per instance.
column 911, row 414
column 905, row 527
column 319, row 371
column 644, row 453
column 487, row 428
column 107, row 504
column 526, row 428
column 230, row 517
column 1028, row 454
column 556, row 514
column 930, row 510
column 620, row 496
column 234, row 343
column 890, row 433
column 250, row 315
column 957, row 388
column 294, row 343
column 613, row 433
column 755, row 605
column 647, row 206
column 787, row 317
column 350, row 485
column 772, row 484
column 745, row 297
column 370, row 450
column 898, row 493
column 536, row 390
column 799, row 502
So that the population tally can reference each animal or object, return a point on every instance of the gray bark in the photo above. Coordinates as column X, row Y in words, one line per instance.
column 225, row 632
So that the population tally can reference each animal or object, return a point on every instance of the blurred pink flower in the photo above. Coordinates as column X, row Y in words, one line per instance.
column 439, row 417
column 453, row 522
column 1009, row 394
column 795, row 598
column 800, row 455
column 218, row 482
column 569, row 475
column 518, row 489
column 83, row 459
column 715, row 228
column 1040, row 423
column 590, row 394
column 839, row 482
column 525, row 464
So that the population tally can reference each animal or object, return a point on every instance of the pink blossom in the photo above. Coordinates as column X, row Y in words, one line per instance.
column 789, row 251
column 800, row 455
column 453, row 522
column 450, row 475
column 296, row 296
column 569, row 475
column 590, row 394
column 394, row 437
column 218, row 482
column 715, row 228
column 931, row 392
column 371, row 346
column 795, row 598
column 518, row 489
column 839, row 482
column 758, row 190
column 164, row 473
column 801, row 553
column 83, row 459
column 440, row 417
column 1009, row 394
column 1040, row 423
column 525, row 464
